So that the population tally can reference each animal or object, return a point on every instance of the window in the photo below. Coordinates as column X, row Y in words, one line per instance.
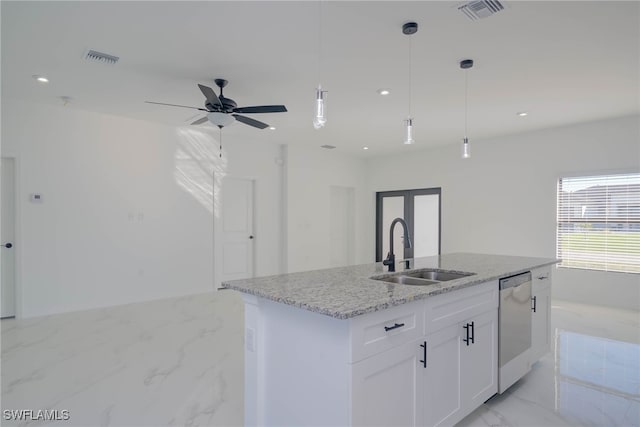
column 599, row 222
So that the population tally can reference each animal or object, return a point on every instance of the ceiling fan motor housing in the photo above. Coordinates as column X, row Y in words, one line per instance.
column 227, row 106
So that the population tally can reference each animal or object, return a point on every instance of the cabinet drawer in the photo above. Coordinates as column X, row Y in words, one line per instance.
column 453, row 307
column 379, row 331
column 541, row 278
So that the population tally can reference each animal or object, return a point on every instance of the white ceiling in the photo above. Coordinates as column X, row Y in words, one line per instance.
column 563, row 62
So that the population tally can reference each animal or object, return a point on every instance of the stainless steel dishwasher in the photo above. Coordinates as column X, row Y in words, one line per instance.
column 514, row 329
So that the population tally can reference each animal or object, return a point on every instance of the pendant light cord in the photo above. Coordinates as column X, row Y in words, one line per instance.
column 220, row 133
column 466, row 100
column 319, row 41
column 410, row 85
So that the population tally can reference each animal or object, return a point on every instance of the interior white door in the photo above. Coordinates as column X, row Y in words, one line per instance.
column 341, row 233
column 7, row 239
column 238, row 239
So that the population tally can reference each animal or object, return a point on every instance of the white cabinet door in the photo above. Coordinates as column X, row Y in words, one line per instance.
column 387, row 389
column 478, row 360
column 442, row 382
column 540, row 313
column 540, row 324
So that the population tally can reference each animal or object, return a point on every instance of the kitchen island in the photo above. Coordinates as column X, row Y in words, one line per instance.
column 344, row 346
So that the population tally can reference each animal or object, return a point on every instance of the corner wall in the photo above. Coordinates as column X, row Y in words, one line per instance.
column 311, row 171
column 128, row 205
column 503, row 199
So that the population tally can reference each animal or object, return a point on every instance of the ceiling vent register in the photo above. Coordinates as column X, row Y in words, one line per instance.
column 104, row 58
column 481, row 9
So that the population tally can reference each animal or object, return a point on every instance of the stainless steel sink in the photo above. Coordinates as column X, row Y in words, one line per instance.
column 422, row 277
column 408, row 280
column 439, row 276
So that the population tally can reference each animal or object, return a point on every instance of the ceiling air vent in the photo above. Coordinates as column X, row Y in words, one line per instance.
column 328, row 147
column 95, row 56
column 481, row 9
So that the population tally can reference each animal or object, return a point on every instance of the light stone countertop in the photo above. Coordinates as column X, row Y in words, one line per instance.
column 347, row 292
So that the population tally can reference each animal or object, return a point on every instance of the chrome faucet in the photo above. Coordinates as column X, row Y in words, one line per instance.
column 408, row 250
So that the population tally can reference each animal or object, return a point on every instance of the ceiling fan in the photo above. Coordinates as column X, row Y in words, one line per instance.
column 222, row 111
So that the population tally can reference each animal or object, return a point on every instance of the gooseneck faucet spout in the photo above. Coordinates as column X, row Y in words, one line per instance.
column 408, row 251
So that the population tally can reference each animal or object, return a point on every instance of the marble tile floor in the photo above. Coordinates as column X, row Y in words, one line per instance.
column 178, row 362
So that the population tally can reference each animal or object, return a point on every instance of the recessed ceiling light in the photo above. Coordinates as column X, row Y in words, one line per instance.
column 522, row 114
column 365, row 148
column 383, row 92
column 41, row 79
column 272, row 128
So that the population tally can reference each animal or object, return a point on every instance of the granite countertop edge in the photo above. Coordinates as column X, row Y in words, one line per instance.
column 274, row 288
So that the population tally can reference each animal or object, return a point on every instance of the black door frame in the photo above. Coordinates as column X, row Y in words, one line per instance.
column 409, row 196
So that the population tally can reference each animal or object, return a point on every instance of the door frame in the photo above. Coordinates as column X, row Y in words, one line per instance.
column 218, row 227
column 408, row 195
column 17, row 225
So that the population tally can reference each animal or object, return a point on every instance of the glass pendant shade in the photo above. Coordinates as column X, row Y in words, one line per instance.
column 409, row 131
column 320, row 118
column 466, row 149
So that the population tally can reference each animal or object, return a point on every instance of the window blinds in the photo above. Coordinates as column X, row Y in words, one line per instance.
column 599, row 222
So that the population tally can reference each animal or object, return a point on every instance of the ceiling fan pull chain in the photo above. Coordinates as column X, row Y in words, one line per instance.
column 220, row 128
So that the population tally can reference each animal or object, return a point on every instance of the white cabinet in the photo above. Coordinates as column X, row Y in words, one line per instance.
column 478, row 360
column 409, row 365
column 541, row 313
column 388, row 388
column 443, row 394
column 461, row 368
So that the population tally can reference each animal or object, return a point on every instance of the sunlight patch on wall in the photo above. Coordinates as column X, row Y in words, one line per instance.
column 199, row 169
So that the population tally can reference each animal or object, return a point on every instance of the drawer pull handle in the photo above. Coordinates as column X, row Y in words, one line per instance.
column 542, row 277
column 424, row 354
column 396, row 326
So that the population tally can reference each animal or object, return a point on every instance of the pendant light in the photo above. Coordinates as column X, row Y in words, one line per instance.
column 409, row 29
column 320, row 118
column 466, row 148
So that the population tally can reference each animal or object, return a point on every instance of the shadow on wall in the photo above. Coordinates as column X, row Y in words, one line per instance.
column 199, row 169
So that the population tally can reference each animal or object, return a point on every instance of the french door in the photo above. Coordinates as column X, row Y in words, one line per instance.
column 420, row 209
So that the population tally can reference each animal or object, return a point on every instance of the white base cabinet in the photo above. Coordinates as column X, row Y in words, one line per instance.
column 426, row 363
column 461, row 371
column 540, row 313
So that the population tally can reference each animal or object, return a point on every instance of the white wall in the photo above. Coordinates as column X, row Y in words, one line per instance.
column 311, row 171
column 503, row 199
column 128, row 206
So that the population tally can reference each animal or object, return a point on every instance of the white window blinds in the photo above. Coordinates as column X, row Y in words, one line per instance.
column 599, row 222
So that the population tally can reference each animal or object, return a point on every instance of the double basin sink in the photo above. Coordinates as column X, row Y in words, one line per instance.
column 423, row 277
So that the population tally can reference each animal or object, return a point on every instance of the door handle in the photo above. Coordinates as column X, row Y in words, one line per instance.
column 8, row 245
column 424, row 354
column 534, row 299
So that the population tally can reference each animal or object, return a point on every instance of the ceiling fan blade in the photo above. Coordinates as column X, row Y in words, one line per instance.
column 175, row 105
column 251, row 122
column 200, row 121
column 208, row 93
column 261, row 109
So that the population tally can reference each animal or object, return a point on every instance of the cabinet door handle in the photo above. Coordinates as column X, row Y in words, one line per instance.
column 396, row 326
column 534, row 299
column 471, row 333
column 542, row 277
column 466, row 340
column 424, row 354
